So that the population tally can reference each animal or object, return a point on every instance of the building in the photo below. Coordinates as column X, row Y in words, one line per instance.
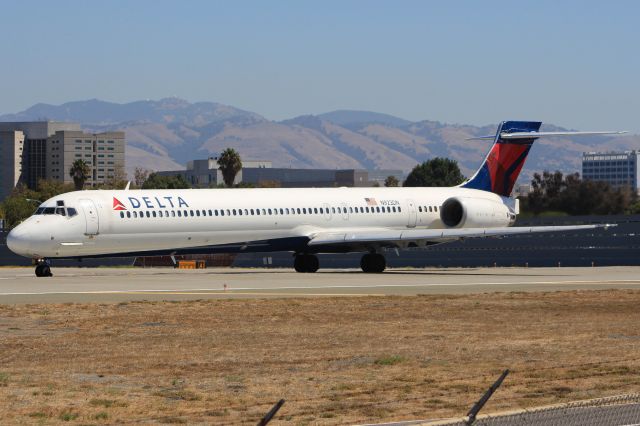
column 11, row 149
column 48, row 149
column 619, row 169
column 206, row 173
column 103, row 153
column 34, row 154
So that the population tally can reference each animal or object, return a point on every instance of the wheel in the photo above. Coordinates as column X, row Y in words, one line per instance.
column 373, row 263
column 312, row 263
column 43, row 270
column 306, row 263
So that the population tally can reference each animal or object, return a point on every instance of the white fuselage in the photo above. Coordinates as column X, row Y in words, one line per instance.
column 137, row 221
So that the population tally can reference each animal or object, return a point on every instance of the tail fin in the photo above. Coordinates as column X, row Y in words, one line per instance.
column 501, row 167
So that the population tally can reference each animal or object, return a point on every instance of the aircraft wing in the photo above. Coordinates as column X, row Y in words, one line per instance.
column 402, row 237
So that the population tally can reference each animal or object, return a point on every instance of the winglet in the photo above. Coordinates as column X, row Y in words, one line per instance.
column 126, row 188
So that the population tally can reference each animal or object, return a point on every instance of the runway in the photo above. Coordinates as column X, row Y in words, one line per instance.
column 19, row 285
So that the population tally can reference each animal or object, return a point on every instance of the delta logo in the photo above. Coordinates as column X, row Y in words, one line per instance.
column 150, row 203
column 117, row 204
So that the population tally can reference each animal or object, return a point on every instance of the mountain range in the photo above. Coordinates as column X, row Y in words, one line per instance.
column 164, row 134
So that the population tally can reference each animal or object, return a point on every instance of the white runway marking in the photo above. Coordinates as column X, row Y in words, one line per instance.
column 232, row 290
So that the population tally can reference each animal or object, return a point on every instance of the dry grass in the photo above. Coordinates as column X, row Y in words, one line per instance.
column 335, row 360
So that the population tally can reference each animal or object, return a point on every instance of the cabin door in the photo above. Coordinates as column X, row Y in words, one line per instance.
column 90, row 217
column 413, row 214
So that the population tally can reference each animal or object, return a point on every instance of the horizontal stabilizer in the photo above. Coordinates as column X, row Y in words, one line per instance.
column 530, row 135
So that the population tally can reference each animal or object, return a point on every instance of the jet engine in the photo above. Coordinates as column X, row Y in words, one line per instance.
column 458, row 212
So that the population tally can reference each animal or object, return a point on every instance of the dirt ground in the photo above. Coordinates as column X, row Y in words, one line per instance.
column 334, row 360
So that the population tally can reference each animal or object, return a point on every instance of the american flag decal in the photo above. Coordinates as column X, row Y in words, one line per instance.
column 371, row 201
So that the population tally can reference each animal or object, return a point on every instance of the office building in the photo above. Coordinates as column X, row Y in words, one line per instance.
column 102, row 152
column 11, row 149
column 619, row 169
column 48, row 149
column 34, row 154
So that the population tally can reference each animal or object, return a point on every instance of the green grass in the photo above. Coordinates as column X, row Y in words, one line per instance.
column 101, row 416
column 389, row 360
column 4, row 379
column 67, row 416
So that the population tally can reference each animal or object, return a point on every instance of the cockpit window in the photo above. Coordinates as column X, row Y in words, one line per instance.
column 57, row 210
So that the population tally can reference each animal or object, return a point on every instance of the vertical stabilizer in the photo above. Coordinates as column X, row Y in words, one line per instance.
column 502, row 165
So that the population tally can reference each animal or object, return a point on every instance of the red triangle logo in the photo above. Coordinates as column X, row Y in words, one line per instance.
column 117, row 205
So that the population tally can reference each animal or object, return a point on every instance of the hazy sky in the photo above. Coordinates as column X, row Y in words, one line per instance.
column 573, row 63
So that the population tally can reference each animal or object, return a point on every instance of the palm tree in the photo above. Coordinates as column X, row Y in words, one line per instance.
column 230, row 164
column 80, row 173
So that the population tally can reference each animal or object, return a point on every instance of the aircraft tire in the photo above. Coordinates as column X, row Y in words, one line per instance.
column 312, row 263
column 43, row 270
column 373, row 263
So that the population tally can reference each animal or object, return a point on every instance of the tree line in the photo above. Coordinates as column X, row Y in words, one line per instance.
column 569, row 194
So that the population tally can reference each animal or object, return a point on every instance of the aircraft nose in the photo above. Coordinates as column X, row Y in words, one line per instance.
column 18, row 241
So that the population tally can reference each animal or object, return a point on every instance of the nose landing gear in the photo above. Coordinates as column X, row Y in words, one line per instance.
column 373, row 263
column 43, row 269
column 306, row 263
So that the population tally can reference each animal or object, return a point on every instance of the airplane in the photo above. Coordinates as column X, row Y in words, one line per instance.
column 304, row 221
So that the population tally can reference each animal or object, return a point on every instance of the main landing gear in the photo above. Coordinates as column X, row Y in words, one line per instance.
column 306, row 263
column 373, row 263
column 43, row 269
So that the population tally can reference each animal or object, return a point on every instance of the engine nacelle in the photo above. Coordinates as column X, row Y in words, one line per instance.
column 458, row 212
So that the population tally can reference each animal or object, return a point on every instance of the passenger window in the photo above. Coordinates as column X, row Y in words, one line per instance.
column 234, row 212
column 264, row 212
column 128, row 215
column 378, row 209
column 252, row 212
column 286, row 210
column 420, row 209
column 315, row 210
column 173, row 213
column 153, row 213
column 333, row 210
column 281, row 211
column 258, row 212
column 399, row 209
column 122, row 215
column 228, row 212
column 435, row 209
column 430, row 209
column 197, row 213
column 366, row 209
column 304, row 210
column 275, row 211
column 246, row 212
column 222, row 212
column 269, row 211
column 210, row 213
